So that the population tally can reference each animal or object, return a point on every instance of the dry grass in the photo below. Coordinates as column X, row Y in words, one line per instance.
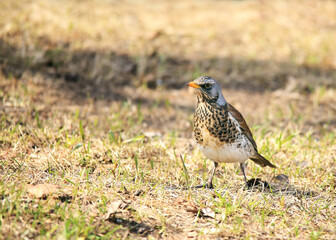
column 93, row 102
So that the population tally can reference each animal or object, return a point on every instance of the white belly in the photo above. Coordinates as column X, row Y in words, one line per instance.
column 238, row 151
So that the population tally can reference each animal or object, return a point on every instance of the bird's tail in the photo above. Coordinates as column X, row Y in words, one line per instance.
column 263, row 162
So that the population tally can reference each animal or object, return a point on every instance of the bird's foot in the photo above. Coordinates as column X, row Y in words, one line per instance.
column 207, row 185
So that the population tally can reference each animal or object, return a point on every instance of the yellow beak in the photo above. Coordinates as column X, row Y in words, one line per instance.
column 193, row 85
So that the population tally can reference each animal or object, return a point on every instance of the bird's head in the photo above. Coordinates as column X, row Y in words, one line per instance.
column 208, row 89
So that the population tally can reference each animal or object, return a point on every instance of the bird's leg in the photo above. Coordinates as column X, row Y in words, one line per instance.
column 212, row 173
column 242, row 167
column 207, row 185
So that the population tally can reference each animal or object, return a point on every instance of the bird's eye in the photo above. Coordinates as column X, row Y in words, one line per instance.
column 207, row 85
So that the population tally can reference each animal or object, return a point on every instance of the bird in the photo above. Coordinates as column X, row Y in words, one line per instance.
column 220, row 130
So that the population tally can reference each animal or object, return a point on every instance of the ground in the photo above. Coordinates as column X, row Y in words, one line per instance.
column 96, row 120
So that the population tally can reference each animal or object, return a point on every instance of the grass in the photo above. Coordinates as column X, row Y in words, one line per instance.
column 92, row 102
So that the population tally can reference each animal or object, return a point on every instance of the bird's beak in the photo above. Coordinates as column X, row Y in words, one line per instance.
column 193, row 85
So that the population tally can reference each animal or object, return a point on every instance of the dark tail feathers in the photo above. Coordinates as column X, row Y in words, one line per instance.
column 263, row 162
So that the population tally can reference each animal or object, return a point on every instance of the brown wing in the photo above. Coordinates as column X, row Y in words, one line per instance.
column 243, row 126
column 246, row 130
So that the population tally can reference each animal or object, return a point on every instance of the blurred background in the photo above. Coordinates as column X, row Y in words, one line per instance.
column 249, row 45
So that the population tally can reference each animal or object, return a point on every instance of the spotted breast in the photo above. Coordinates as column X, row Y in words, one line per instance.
column 219, row 136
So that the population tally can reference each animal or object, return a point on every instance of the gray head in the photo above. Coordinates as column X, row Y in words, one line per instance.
column 208, row 89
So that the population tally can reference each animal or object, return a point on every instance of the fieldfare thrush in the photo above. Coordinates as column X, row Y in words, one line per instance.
column 220, row 130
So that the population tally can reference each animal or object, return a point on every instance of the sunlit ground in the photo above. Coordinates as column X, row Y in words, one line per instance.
column 94, row 103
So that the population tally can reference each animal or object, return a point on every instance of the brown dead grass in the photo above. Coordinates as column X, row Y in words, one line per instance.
column 118, row 69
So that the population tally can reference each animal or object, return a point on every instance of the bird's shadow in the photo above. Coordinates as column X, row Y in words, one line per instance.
column 278, row 185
